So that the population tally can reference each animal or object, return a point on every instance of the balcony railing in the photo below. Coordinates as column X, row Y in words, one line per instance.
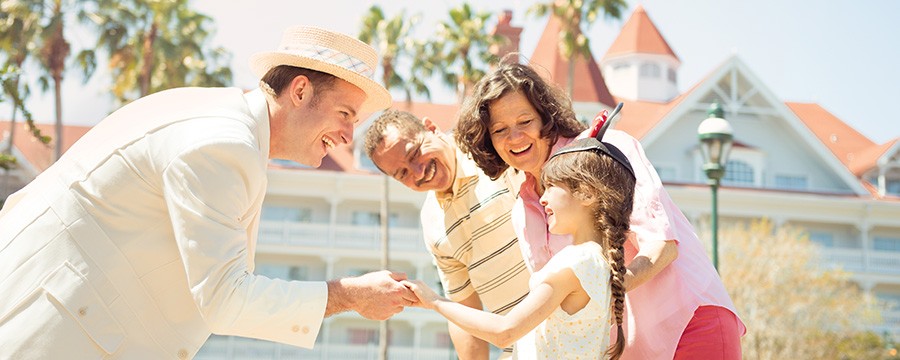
column 890, row 323
column 880, row 262
column 293, row 233
column 234, row 348
column 885, row 262
column 345, row 236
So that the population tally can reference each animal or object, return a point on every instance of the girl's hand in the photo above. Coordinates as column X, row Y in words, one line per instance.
column 427, row 297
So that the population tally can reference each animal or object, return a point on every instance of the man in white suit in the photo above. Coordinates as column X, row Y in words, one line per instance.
column 139, row 242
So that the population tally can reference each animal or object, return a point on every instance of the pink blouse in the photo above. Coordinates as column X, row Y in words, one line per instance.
column 657, row 312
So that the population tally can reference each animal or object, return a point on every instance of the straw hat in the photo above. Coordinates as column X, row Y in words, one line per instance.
column 329, row 52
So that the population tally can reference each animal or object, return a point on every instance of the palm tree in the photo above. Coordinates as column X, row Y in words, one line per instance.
column 460, row 41
column 54, row 50
column 19, row 26
column 9, row 80
column 153, row 46
column 426, row 59
column 572, row 13
column 391, row 39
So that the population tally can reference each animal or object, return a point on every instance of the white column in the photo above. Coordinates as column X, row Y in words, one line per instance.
column 864, row 227
column 325, row 332
column 329, row 267
column 420, row 270
column 778, row 221
column 417, row 337
column 332, row 219
column 868, row 286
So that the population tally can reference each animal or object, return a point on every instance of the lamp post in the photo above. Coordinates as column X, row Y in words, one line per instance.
column 715, row 143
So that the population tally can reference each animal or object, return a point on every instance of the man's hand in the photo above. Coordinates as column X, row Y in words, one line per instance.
column 376, row 295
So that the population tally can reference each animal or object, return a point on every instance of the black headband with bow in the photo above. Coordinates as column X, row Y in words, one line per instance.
column 595, row 141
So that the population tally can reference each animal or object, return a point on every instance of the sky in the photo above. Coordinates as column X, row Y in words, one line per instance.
column 841, row 55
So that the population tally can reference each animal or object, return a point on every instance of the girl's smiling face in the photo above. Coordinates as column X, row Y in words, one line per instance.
column 566, row 213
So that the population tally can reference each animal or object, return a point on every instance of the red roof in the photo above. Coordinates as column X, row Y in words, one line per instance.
column 845, row 142
column 867, row 158
column 36, row 153
column 589, row 87
column 444, row 115
column 639, row 35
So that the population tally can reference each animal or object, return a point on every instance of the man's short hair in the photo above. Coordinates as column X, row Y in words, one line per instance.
column 278, row 78
column 408, row 125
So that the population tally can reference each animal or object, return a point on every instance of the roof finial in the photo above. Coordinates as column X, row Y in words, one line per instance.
column 715, row 110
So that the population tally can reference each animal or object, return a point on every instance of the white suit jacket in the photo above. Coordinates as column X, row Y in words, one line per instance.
column 139, row 241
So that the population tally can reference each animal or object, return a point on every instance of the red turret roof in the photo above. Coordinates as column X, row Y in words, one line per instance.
column 640, row 36
column 589, row 84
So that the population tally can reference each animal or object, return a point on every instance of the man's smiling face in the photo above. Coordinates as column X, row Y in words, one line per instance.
column 422, row 161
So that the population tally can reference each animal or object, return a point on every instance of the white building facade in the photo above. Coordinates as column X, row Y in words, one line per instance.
column 793, row 163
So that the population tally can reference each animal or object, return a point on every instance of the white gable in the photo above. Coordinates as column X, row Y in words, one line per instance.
column 776, row 150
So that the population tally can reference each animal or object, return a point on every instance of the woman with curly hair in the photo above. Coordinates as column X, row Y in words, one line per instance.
column 677, row 306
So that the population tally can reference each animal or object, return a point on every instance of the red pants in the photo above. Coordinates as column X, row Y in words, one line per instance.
column 713, row 333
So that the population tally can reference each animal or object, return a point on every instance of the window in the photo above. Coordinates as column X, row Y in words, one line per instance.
column 442, row 340
column 790, row 182
column 372, row 218
column 890, row 299
column 359, row 271
column 365, row 218
column 284, row 213
column 362, row 336
column 886, row 244
column 892, row 187
column 359, row 336
column 823, row 239
column 272, row 271
column 650, row 70
column 738, row 173
column 365, row 162
column 284, row 272
column 299, row 273
column 621, row 66
column 672, row 75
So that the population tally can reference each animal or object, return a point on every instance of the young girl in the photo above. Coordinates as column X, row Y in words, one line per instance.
column 589, row 194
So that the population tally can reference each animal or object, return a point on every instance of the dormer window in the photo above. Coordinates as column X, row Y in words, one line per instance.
column 892, row 187
column 738, row 173
column 745, row 167
column 621, row 66
column 791, row 182
column 650, row 70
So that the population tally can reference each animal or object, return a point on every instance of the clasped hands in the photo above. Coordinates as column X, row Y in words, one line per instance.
column 381, row 294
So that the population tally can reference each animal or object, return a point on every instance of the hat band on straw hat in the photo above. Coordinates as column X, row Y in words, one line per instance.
column 331, row 56
column 337, row 54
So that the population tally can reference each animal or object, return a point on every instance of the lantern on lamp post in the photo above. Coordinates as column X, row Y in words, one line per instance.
column 715, row 143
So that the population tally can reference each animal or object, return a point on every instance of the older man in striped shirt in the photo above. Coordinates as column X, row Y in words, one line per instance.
column 465, row 218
